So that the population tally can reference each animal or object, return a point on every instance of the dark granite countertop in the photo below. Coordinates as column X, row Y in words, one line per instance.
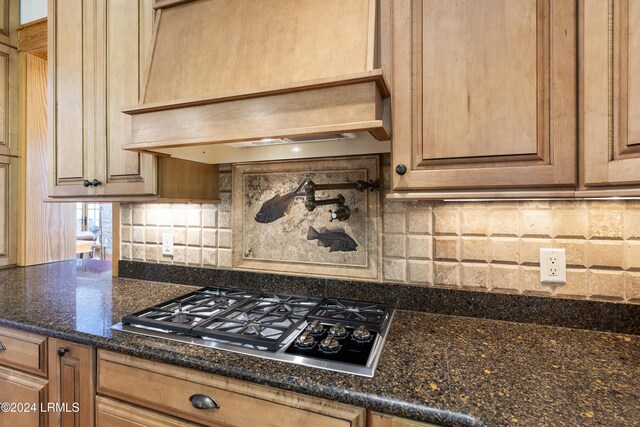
column 448, row 370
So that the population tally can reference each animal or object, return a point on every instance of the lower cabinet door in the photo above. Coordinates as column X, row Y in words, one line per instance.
column 113, row 413
column 21, row 396
column 382, row 420
column 72, row 384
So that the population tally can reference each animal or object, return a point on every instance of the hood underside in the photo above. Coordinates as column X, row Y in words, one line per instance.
column 223, row 71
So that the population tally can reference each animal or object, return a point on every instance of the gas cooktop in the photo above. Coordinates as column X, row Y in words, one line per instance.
column 327, row 333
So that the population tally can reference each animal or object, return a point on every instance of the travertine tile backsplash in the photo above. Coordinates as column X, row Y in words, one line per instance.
column 490, row 246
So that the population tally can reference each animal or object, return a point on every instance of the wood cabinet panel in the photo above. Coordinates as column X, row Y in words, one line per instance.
column 8, row 100
column 16, row 387
column 46, row 231
column 96, row 53
column 382, row 420
column 24, row 351
column 610, row 101
column 8, row 206
column 480, row 79
column 71, row 91
column 287, row 37
column 240, row 404
column 9, row 19
column 114, row 413
column 484, row 94
column 123, row 47
column 72, row 381
column 633, row 64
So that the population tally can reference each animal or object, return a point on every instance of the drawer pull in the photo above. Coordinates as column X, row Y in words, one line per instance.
column 202, row 401
column 2, row 346
column 62, row 351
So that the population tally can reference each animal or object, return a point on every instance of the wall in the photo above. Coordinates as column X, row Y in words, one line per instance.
column 30, row 10
column 487, row 246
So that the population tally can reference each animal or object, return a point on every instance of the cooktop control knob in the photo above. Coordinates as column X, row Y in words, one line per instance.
column 315, row 327
column 361, row 334
column 338, row 331
column 305, row 340
column 329, row 343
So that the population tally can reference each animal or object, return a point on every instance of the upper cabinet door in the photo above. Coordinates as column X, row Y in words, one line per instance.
column 9, row 19
column 122, row 54
column 97, row 52
column 484, row 94
column 8, row 101
column 71, row 98
column 610, row 94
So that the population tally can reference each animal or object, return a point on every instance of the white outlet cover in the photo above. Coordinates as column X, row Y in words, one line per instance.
column 167, row 244
column 553, row 260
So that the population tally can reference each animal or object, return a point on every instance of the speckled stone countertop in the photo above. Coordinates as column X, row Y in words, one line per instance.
column 444, row 369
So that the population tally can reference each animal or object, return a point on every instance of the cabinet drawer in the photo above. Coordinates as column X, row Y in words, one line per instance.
column 22, row 350
column 168, row 389
column 382, row 420
column 18, row 388
column 114, row 413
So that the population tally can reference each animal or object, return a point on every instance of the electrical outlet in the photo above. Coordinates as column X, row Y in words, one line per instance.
column 167, row 244
column 553, row 266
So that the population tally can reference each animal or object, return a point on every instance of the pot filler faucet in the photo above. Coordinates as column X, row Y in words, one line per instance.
column 342, row 211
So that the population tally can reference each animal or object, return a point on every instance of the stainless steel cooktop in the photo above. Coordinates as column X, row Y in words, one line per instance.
column 328, row 333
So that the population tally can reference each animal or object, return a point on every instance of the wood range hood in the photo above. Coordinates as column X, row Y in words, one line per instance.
column 230, row 71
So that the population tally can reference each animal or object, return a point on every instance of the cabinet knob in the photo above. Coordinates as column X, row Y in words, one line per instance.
column 87, row 183
column 202, row 401
column 62, row 351
column 2, row 346
column 401, row 169
column 96, row 183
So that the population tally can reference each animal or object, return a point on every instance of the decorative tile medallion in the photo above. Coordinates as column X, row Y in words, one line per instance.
column 274, row 231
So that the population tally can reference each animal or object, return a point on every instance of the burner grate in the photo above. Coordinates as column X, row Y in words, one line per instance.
column 265, row 321
column 351, row 313
column 182, row 314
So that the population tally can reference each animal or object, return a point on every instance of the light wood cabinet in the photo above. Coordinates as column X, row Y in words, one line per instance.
column 114, row 413
column 382, row 420
column 24, row 351
column 8, row 100
column 72, row 382
column 27, row 391
column 96, row 51
column 238, row 403
column 9, row 19
column 610, row 96
column 8, row 210
column 484, row 96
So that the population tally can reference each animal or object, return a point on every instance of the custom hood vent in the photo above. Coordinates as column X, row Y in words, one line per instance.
column 229, row 71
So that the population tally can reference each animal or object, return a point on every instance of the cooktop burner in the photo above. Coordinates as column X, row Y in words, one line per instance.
column 351, row 313
column 336, row 334
column 264, row 321
column 183, row 313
